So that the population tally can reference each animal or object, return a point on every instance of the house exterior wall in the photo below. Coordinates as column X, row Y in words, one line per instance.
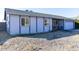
column 61, row 25
column 36, row 25
column 7, row 22
column 33, row 25
column 47, row 27
column 39, row 24
column 50, row 24
column 24, row 29
column 14, row 24
column 68, row 25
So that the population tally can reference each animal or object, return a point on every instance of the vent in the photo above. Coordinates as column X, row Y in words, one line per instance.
column 28, row 10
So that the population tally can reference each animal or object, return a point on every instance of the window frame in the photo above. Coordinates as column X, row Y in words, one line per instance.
column 46, row 22
column 25, row 22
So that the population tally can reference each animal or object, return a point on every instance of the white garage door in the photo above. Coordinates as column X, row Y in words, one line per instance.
column 68, row 25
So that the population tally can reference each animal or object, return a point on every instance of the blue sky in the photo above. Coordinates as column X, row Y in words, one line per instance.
column 67, row 12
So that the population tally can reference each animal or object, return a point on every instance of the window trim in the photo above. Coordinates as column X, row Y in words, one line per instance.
column 26, row 21
column 46, row 22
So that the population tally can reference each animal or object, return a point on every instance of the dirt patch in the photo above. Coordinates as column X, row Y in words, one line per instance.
column 53, row 41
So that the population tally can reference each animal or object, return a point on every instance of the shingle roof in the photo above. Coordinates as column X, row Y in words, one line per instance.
column 30, row 13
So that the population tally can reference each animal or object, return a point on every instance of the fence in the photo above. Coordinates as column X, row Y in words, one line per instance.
column 2, row 26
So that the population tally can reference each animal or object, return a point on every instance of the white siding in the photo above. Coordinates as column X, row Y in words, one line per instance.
column 32, row 24
column 46, row 27
column 24, row 29
column 7, row 22
column 50, row 24
column 68, row 25
column 39, row 25
column 14, row 24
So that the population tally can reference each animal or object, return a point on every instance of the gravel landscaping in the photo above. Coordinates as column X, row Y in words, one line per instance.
column 53, row 41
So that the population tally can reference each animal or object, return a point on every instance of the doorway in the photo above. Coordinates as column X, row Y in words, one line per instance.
column 57, row 24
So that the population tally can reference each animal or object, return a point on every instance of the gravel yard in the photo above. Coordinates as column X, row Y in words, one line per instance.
column 53, row 41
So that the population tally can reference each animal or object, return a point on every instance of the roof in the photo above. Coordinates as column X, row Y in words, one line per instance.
column 30, row 13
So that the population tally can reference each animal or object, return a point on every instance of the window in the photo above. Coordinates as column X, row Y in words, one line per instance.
column 45, row 22
column 24, row 21
column 27, row 21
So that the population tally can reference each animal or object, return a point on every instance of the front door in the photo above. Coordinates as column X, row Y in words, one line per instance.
column 55, row 25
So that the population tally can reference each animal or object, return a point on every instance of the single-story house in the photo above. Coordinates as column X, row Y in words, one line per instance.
column 28, row 22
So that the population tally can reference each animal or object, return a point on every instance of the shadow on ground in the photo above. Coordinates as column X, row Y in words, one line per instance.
column 55, row 35
column 4, row 37
column 49, row 36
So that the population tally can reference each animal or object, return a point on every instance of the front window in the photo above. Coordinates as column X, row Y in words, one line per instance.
column 24, row 21
column 45, row 22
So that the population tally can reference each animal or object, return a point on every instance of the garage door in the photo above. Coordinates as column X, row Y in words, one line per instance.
column 68, row 25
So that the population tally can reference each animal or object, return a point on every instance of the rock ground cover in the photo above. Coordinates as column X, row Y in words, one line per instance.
column 53, row 41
